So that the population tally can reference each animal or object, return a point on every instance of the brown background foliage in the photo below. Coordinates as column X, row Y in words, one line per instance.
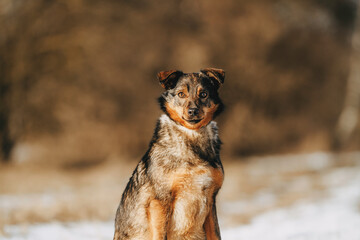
column 77, row 78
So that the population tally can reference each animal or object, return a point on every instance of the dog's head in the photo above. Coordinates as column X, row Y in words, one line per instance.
column 191, row 99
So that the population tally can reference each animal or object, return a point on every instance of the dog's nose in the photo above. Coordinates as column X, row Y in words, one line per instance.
column 193, row 112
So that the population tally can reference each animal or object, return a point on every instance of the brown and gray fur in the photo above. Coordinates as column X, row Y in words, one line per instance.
column 171, row 194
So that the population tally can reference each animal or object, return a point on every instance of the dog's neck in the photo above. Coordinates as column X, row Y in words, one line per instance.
column 181, row 142
column 204, row 132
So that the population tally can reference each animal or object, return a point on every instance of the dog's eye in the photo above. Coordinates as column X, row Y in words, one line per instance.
column 203, row 94
column 181, row 94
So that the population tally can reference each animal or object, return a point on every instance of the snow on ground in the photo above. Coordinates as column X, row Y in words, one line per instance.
column 61, row 231
column 336, row 216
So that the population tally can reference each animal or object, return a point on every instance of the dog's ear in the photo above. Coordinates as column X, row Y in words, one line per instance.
column 215, row 74
column 168, row 79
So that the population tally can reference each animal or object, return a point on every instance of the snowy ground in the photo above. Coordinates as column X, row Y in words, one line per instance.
column 336, row 217
column 293, row 197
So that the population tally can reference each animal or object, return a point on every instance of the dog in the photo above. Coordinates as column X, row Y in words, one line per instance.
column 171, row 193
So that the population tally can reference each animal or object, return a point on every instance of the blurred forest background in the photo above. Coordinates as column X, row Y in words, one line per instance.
column 78, row 77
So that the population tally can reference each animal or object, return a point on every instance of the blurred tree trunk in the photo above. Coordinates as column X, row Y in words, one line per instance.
column 349, row 116
column 6, row 140
column 6, row 143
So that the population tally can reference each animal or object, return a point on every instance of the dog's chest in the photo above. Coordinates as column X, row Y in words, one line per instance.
column 195, row 179
column 192, row 191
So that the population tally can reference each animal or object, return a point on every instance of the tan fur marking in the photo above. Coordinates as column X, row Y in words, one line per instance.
column 210, row 224
column 209, row 227
column 180, row 180
column 174, row 115
column 218, row 177
column 198, row 90
column 157, row 219
column 208, row 116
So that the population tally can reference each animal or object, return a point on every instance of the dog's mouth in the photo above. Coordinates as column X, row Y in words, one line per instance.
column 193, row 121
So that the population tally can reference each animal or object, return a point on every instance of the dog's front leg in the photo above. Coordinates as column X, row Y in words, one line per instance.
column 157, row 219
column 211, row 225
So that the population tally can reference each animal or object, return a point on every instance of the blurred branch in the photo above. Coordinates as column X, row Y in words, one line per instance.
column 349, row 116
